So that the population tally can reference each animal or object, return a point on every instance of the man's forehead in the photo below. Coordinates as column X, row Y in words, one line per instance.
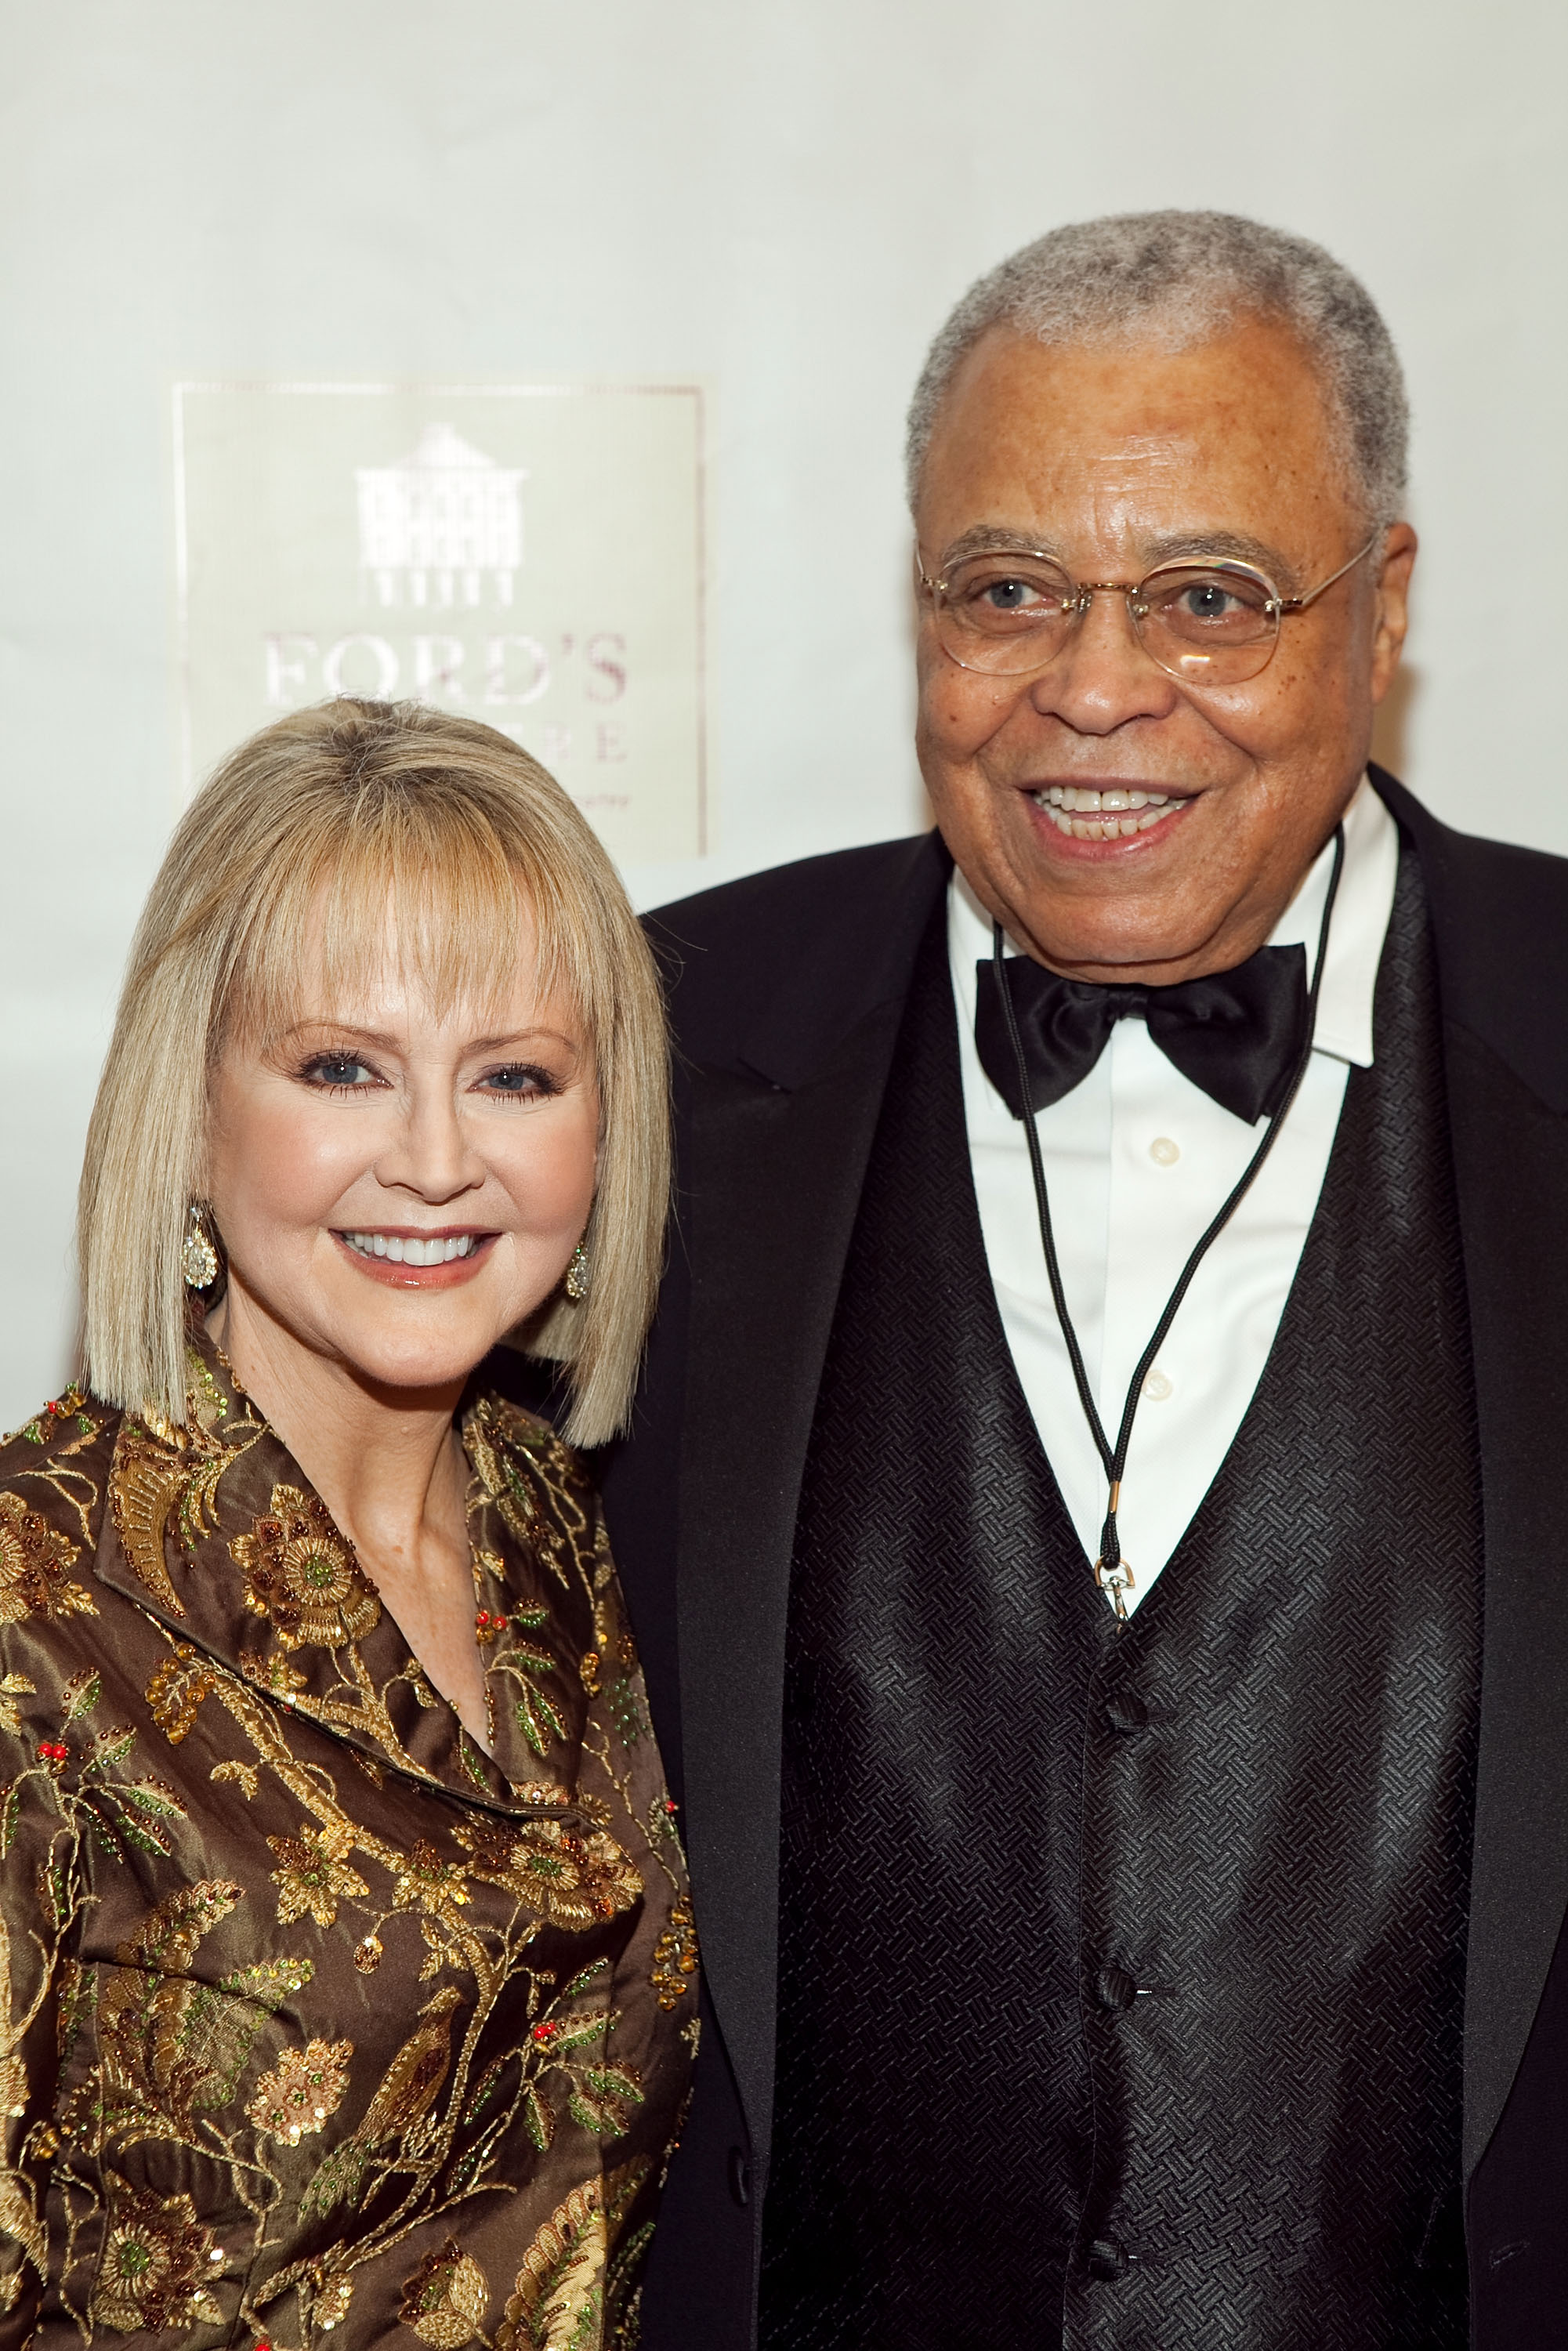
column 1130, row 425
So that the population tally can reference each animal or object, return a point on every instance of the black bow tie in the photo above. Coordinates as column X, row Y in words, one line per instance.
column 1238, row 1034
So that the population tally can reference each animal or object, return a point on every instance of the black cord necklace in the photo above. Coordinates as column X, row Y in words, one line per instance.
column 1111, row 1572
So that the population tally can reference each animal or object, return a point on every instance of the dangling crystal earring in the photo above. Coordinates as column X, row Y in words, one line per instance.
column 198, row 1257
column 576, row 1275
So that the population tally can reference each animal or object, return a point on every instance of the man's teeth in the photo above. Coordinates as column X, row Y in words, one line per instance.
column 404, row 1252
column 1089, row 815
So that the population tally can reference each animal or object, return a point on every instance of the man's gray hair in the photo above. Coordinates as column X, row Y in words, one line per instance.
column 1176, row 278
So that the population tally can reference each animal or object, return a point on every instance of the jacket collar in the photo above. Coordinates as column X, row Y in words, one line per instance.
column 1502, row 942
column 789, row 1004
column 216, row 1532
column 1499, row 918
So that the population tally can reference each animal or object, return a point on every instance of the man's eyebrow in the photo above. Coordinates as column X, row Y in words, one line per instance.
column 1236, row 546
column 990, row 539
column 1176, row 546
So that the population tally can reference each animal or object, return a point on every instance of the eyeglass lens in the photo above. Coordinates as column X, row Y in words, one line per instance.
column 1214, row 623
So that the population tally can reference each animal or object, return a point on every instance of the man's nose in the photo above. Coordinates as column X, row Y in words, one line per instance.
column 1103, row 677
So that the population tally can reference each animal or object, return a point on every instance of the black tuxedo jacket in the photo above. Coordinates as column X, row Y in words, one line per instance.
column 785, row 992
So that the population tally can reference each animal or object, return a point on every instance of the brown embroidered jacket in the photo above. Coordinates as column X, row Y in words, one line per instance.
column 316, row 2023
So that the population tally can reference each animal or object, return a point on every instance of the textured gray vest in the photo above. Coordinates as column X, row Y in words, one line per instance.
column 1121, row 1971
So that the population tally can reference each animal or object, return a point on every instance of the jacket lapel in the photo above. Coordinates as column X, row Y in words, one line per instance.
column 779, row 1134
column 1500, row 918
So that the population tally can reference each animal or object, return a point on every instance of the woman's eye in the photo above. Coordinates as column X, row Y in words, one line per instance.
column 522, row 1080
column 339, row 1071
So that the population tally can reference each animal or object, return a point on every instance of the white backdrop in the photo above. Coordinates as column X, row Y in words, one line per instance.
column 781, row 201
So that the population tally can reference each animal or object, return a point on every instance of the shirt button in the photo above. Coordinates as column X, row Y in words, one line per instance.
column 1127, row 1711
column 1164, row 1151
column 1156, row 1386
column 1107, row 2259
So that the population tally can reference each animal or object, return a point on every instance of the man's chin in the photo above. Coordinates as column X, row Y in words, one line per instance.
column 1109, row 910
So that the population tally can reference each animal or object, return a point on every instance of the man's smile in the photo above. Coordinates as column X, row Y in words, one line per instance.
column 1111, row 813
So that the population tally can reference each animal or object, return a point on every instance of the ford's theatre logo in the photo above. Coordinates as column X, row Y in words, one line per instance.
column 529, row 555
column 436, row 527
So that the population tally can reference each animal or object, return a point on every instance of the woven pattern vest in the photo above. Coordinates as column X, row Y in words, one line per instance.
column 1120, row 1971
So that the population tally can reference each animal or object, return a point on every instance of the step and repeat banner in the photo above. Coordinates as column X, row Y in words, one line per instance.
column 551, row 364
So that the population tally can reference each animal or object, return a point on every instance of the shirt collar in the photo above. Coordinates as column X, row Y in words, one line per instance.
column 1356, row 933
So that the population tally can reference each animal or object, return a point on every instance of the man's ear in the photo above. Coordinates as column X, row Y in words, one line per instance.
column 1391, row 609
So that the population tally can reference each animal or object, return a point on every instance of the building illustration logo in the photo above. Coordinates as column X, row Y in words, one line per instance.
column 441, row 525
column 313, row 560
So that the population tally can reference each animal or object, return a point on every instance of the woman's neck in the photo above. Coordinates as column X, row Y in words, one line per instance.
column 381, row 1459
column 390, row 1467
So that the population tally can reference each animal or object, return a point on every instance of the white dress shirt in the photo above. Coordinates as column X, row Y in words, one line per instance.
column 1137, row 1161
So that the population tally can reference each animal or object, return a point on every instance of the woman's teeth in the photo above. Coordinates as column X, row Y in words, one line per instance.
column 404, row 1252
column 1090, row 815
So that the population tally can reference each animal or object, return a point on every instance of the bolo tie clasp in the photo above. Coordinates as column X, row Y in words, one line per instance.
column 1115, row 1578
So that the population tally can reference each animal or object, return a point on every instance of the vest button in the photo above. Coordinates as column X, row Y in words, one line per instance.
column 1107, row 2259
column 1116, row 1988
column 1126, row 1711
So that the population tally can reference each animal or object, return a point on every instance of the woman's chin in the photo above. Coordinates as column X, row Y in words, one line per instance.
column 429, row 1359
column 397, row 1340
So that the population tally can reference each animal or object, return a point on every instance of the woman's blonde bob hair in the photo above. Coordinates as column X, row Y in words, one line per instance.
column 292, row 849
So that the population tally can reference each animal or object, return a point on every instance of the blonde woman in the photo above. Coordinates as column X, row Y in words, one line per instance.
column 349, row 1972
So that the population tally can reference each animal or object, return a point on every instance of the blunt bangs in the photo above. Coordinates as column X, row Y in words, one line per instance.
column 438, row 896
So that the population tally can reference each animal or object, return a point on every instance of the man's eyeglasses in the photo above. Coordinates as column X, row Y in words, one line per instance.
column 1205, row 621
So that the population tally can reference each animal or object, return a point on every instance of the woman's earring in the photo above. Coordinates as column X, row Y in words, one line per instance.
column 198, row 1257
column 576, row 1275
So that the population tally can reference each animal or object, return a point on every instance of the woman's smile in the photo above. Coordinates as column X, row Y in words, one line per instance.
column 403, row 1258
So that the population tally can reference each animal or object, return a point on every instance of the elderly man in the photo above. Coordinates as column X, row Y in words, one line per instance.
column 1116, row 1353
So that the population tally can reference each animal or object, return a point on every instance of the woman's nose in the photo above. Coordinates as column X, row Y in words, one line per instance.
column 434, row 1154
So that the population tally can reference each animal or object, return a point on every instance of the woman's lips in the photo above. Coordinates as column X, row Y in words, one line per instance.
column 409, row 1260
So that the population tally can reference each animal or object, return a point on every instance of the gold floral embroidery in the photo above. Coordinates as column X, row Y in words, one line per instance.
column 445, row 2300
column 301, row 1574
column 156, row 2266
column 508, row 2040
column 176, row 1690
column 161, row 1474
column 414, row 2075
column 400, row 2105
column 561, row 2300
column 34, row 1557
column 302, row 2090
column 169, row 1936
column 12, row 1688
column 675, row 1958
column 315, row 1875
column 566, row 1877
column 431, row 1884
column 557, row 2302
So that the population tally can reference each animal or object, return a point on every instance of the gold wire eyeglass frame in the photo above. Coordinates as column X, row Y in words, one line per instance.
column 1275, row 607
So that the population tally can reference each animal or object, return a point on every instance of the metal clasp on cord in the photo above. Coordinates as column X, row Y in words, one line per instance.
column 1119, row 1578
